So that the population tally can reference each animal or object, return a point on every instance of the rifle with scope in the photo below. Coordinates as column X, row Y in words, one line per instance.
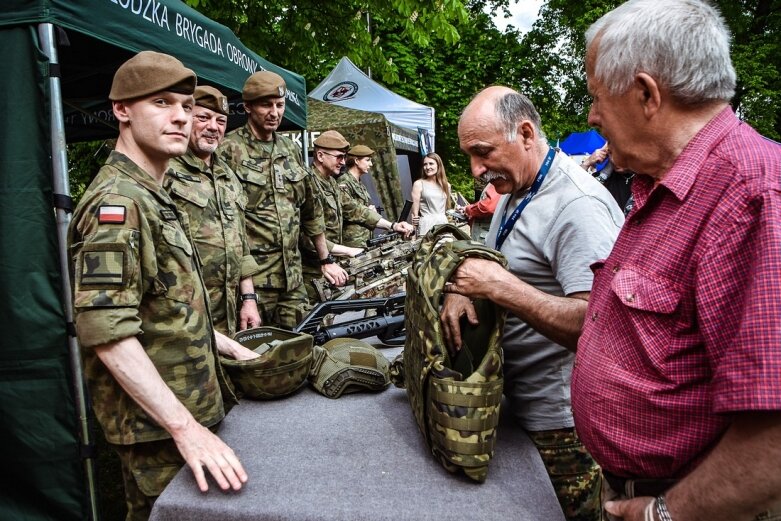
column 379, row 271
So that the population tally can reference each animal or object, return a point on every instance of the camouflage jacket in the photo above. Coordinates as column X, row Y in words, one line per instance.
column 355, row 233
column 280, row 204
column 336, row 209
column 135, row 273
column 214, row 202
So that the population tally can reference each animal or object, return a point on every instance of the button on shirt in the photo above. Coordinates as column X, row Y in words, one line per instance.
column 684, row 319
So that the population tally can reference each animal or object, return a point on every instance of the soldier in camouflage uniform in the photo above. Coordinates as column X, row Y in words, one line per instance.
column 329, row 156
column 359, row 161
column 204, row 188
column 280, row 203
column 550, row 231
column 141, row 312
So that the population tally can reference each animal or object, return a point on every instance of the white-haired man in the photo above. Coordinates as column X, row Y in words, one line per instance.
column 677, row 384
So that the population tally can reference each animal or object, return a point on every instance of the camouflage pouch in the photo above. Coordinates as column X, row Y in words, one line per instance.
column 283, row 366
column 455, row 399
column 347, row 365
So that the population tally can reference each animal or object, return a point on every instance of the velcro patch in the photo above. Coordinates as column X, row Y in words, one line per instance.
column 103, row 268
column 167, row 214
column 111, row 214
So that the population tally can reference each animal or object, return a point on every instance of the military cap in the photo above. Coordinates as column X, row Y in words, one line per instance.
column 211, row 98
column 148, row 72
column 360, row 151
column 264, row 84
column 333, row 140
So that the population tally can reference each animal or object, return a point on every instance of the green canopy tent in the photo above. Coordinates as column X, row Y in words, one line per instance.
column 59, row 58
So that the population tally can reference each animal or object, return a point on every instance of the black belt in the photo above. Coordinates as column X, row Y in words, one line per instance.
column 633, row 487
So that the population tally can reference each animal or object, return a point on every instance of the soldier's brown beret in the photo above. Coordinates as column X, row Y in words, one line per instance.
column 211, row 98
column 360, row 151
column 148, row 72
column 264, row 84
column 333, row 140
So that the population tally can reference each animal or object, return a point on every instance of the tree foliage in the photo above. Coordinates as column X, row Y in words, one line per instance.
column 441, row 52
column 310, row 36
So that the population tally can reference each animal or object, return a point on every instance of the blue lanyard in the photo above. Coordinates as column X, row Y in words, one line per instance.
column 508, row 224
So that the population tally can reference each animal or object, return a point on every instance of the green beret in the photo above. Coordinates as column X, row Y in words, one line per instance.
column 148, row 72
column 211, row 98
column 360, row 151
column 333, row 140
column 264, row 84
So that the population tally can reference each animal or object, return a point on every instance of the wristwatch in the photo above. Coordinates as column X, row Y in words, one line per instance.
column 661, row 509
column 249, row 296
column 328, row 260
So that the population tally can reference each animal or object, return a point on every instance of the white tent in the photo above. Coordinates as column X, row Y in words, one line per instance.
column 349, row 87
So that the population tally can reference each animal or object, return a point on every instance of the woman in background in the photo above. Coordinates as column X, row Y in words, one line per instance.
column 430, row 195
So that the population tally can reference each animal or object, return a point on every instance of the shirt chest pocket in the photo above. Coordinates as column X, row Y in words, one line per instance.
column 176, row 270
column 652, row 305
column 254, row 176
column 190, row 194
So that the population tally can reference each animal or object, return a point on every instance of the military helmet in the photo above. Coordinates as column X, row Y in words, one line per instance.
column 282, row 367
column 347, row 365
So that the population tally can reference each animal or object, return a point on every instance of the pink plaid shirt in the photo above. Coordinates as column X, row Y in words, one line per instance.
column 684, row 321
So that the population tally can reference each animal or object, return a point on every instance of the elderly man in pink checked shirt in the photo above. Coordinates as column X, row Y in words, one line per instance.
column 676, row 389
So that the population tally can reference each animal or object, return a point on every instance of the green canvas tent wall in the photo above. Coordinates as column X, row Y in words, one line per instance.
column 375, row 131
column 59, row 58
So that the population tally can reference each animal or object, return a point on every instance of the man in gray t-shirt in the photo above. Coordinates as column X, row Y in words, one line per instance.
column 553, row 222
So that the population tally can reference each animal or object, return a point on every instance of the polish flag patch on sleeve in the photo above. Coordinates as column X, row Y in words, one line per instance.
column 111, row 214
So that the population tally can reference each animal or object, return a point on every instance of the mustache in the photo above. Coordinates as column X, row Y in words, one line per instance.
column 491, row 175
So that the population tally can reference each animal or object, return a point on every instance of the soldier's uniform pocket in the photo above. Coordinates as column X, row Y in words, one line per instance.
column 189, row 194
column 176, row 273
column 153, row 465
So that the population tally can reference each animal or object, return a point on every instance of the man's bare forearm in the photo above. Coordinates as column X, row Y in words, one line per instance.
column 739, row 479
column 134, row 371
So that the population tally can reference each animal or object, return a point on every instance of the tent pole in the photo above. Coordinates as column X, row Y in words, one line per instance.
column 63, row 208
column 305, row 151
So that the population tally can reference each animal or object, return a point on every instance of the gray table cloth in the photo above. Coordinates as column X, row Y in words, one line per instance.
column 357, row 458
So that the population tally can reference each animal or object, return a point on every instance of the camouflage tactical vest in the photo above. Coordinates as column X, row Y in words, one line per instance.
column 455, row 399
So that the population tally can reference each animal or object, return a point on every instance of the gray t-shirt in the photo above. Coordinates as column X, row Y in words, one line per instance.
column 570, row 223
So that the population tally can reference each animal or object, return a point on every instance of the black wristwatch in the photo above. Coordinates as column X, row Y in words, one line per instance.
column 328, row 260
column 249, row 296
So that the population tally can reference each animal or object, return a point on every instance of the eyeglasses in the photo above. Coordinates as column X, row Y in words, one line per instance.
column 339, row 157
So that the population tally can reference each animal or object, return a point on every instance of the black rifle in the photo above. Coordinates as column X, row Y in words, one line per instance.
column 387, row 237
column 387, row 324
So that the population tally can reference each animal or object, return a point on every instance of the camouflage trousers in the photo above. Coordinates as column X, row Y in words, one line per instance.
column 147, row 468
column 575, row 476
column 311, row 273
column 282, row 308
column 608, row 494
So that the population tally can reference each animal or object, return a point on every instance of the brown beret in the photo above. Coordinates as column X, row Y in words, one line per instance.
column 211, row 98
column 360, row 151
column 264, row 84
column 148, row 72
column 333, row 140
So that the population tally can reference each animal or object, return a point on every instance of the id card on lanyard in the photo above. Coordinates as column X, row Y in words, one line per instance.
column 508, row 223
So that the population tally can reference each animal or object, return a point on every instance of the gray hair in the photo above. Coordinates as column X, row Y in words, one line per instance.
column 682, row 44
column 512, row 108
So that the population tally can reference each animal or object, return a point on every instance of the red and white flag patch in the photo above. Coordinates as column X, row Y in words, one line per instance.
column 111, row 214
